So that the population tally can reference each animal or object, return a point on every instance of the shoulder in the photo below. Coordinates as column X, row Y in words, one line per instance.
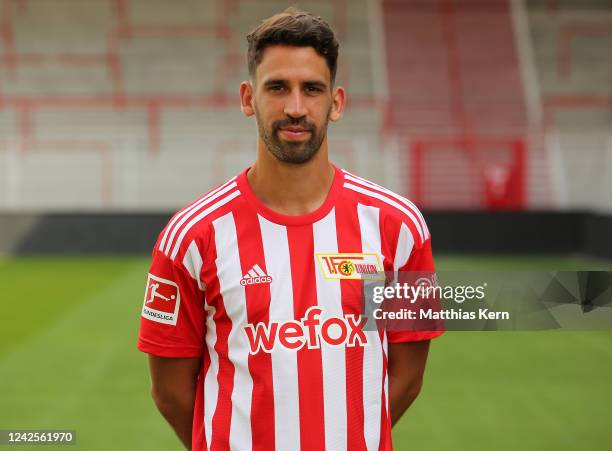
column 393, row 207
column 190, row 226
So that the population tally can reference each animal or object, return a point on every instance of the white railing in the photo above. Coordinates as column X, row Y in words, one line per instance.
column 126, row 175
column 581, row 167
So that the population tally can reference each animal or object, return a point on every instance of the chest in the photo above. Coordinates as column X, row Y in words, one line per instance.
column 276, row 273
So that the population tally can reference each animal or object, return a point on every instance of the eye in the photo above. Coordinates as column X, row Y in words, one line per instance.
column 276, row 88
column 313, row 89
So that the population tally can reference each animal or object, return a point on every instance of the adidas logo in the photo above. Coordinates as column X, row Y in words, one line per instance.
column 255, row 276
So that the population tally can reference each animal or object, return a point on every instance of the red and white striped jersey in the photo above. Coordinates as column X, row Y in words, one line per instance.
column 271, row 305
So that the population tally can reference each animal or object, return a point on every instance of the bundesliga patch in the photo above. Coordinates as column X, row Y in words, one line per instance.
column 353, row 266
column 162, row 300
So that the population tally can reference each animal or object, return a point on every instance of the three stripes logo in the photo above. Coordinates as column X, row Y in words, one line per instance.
column 256, row 275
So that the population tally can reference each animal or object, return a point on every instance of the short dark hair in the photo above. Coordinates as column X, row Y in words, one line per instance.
column 293, row 27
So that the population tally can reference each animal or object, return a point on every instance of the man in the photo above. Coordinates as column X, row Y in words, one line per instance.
column 262, row 345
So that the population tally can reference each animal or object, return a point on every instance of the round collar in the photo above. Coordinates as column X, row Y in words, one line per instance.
column 289, row 220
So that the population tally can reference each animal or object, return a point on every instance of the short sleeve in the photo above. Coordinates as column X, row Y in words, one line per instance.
column 172, row 319
column 420, row 261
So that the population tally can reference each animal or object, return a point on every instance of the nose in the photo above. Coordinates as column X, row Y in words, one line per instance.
column 295, row 106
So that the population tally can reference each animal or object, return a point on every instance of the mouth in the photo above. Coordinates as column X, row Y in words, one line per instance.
column 295, row 133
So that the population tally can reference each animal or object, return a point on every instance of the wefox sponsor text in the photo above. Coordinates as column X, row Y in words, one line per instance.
column 311, row 330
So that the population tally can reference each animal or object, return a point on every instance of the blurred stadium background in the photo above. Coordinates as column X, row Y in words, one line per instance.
column 494, row 116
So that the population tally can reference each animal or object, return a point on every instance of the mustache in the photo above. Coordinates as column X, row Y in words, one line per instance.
column 296, row 122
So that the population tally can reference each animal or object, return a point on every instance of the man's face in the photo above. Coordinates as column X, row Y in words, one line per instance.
column 292, row 102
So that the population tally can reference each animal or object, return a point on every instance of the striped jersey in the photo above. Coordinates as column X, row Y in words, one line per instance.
column 272, row 304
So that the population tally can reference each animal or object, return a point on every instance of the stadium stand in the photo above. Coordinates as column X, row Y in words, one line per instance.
column 104, row 103
column 454, row 73
column 453, row 67
column 572, row 45
column 572, row 41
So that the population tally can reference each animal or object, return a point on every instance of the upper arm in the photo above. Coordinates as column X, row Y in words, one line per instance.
column 407, row 360
column 171, row 376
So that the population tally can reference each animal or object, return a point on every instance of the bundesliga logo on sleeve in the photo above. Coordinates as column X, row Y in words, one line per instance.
column 162, row 300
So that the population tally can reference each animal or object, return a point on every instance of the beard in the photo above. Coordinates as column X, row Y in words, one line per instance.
column 293, row 152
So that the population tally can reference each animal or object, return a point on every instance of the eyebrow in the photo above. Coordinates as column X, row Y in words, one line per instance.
column 316, row 83
column 276, row 82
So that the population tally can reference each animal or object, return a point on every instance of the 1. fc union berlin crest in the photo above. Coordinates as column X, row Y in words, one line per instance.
column 355, row 266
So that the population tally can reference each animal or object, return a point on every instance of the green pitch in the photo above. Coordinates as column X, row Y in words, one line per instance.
column 68, row 361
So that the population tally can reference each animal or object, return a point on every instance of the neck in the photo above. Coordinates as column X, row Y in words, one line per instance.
column 291, row 189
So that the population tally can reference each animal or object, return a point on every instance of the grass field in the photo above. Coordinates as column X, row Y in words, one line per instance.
column 68, row 360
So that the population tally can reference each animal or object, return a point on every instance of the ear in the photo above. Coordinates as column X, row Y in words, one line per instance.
column 339, row 101
column 246, row 98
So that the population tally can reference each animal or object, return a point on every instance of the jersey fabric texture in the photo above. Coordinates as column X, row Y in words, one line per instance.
column 285, row 363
